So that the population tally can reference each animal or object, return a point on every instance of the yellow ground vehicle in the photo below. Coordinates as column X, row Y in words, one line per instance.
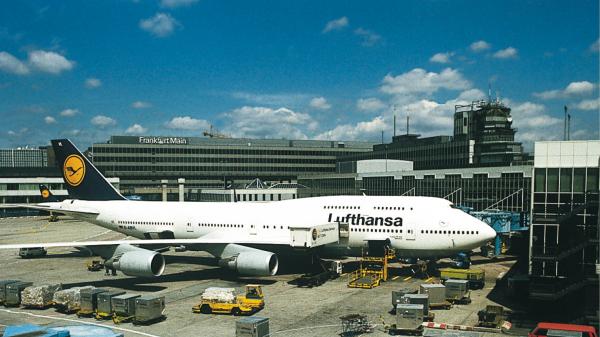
column 225, row 301
column 476, row 277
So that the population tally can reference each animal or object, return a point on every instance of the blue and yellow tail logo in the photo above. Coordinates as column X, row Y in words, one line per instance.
column 45, row 193
column 74, row 170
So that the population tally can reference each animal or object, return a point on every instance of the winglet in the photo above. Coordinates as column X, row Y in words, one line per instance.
column 82, row 179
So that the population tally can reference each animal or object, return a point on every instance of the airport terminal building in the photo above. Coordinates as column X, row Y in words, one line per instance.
column 144, row 163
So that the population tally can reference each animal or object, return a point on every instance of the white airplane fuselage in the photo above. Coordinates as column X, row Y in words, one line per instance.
column 414, row 226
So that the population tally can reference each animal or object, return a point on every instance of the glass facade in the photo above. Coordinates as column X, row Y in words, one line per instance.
column 205, row 163
column 23, row 158
column 564, row 251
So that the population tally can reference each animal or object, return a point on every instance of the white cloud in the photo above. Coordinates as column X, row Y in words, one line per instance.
column 506, row 53
column 140, row 105
column 370, row 104
column 580, row 88
column 595, row 47
column 49, row 62
column 103, row 121
column 187, row 123
column 369, row 38
column 92, row 83
column 11, row 64
column 282, row 99
column 49, row 120
column 360, row 130
column 160, row 25
column 264, row 122
column 441, row 57
column 69, row 112
column 418, row 81
column 480, row 45
column 533, row 122
column 589, row 104
column 320, row 103
column 136, row 129
column 176, row 3
column 336, row 24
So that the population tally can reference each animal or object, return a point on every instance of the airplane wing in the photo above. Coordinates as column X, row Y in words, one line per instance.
column 173, row 242
column 49, row 207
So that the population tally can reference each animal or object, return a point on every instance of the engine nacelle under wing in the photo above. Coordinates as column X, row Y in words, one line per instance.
column 135, row 261
column 251, row 261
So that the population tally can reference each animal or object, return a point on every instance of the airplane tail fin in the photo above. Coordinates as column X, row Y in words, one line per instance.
column 82, row 179
column 47, row 196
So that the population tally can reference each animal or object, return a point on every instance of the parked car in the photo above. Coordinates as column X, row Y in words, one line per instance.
column 26, row 253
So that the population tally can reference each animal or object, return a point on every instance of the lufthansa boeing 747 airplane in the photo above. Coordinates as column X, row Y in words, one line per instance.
column 246, row 237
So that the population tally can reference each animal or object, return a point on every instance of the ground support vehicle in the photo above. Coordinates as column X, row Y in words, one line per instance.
column 475, row 276
column 95, row 265
column 26, row 253
column 326, row 274
column 544, row 329
column 225, row 301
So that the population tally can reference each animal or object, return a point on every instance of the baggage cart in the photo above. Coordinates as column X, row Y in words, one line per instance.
column 418, row 299
column 104, row 308
column 398, row 294
column 13, row 293
column 149, row 309
column 123, row 308
column 437, row 296
column 3, row 284
column 409, row 320
column 68, row 301
column 89, row 301
column 252, row 327
column 457, row 291
column 39, row 297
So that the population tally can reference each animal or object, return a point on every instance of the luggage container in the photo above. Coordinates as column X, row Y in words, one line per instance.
column 409, row 320
column 252, row 327
column 39, row 297
column 13, row 293
column 398, row 294
column 68, row 301
column 437, row 295
column 457, row 291
column 149, row 308
column 409, row 316
column 418, row 299
column 123, row 307
column 89, row 301
column 104, row 308
column 3, row 284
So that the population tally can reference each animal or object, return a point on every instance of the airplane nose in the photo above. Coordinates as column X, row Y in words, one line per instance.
column 487, row 231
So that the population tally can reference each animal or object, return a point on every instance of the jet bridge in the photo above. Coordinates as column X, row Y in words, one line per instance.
column 314, row 236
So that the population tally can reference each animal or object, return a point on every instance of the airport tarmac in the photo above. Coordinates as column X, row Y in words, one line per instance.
column 292, row 311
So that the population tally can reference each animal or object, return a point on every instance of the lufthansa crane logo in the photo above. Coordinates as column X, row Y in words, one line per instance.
column 45, row 194
column 314, row 234
column 74, row 170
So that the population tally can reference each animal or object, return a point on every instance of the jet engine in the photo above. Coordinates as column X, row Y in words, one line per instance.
column 135, row 261
column 250, row 261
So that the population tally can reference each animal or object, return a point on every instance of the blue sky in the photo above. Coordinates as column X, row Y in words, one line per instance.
column 305, row 69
